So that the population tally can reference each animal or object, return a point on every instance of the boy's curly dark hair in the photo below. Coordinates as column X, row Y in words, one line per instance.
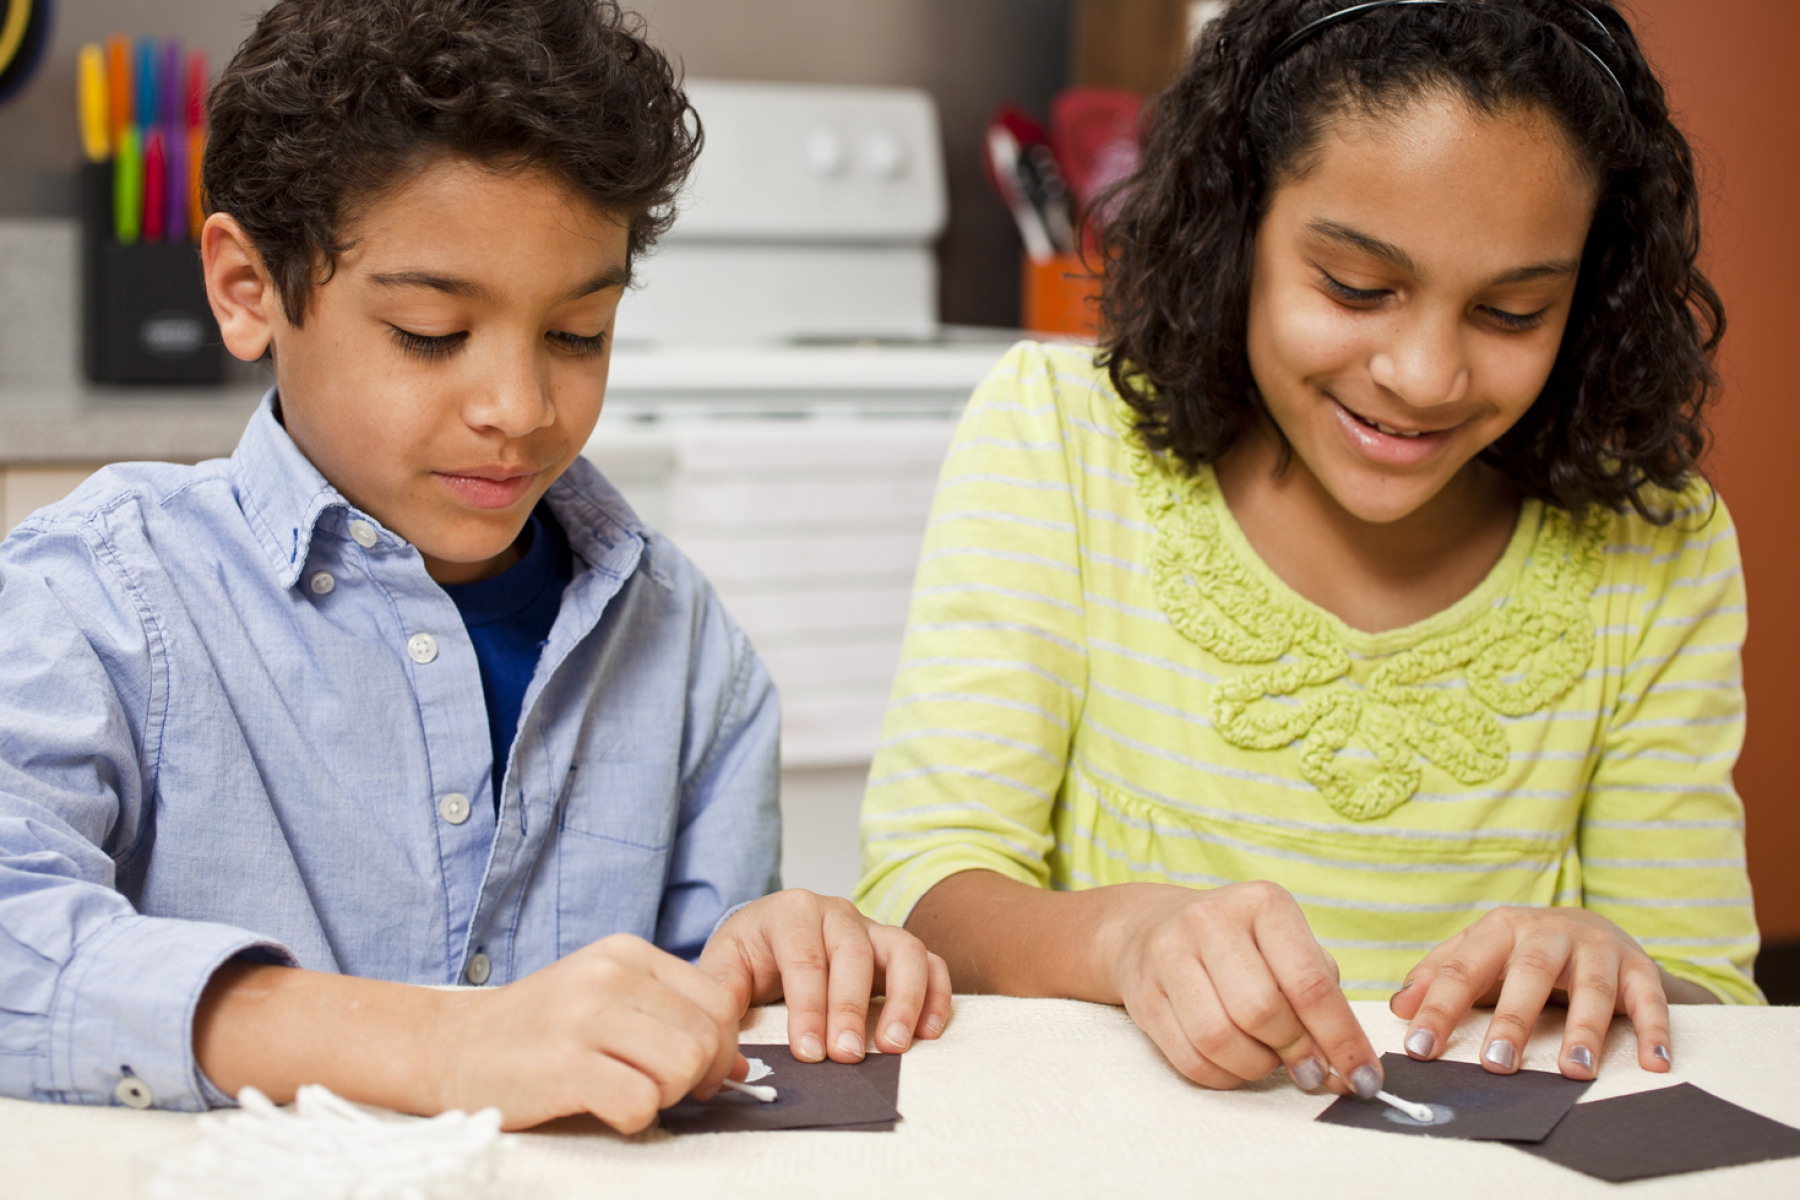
column 1624, row 406
column 330, row 102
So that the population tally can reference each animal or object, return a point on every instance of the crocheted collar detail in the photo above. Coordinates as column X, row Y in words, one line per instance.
column 1514, row 644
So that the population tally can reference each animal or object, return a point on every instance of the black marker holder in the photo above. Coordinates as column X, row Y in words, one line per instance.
column 144, row 315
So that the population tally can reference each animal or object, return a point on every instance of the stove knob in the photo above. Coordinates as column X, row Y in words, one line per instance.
column 826, row 154
column 883, row 154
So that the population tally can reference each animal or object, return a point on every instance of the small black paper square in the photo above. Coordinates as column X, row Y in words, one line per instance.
column 1669, row 1131
column 822, row 1095
column 1470, row 1102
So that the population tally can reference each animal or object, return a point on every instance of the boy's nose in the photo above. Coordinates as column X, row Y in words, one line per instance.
column 1424, row 362
column 513, row 398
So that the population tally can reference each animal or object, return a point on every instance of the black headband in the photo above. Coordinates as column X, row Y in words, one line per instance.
column 1307, row 32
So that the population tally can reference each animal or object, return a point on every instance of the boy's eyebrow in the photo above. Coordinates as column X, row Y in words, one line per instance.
column 1387, row 252
column 611, row 277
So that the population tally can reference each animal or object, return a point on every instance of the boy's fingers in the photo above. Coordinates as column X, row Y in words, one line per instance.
column 1593, row 989
column 1532, row 970
column 713, row 1000
column 1642, row 998
column 906, row 971
column 801, row 959
column 851, row 964
column 670, row 1055
column 619, row 1095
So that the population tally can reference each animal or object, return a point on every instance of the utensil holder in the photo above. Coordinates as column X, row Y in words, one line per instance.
column 144, row 313
column 1060, row 296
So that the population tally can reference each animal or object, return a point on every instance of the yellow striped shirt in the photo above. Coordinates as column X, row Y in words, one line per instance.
column 1101, row 683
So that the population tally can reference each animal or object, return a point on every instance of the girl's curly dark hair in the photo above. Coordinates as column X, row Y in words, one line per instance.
column 330, row 102
column 1624, row 405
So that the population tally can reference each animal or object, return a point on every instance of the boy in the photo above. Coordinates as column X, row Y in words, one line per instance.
column 402, row 693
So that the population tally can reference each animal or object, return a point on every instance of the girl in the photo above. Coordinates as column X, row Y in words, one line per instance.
column 1358, row 623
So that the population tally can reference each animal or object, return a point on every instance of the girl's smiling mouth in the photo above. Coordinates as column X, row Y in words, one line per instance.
column 1388, row 445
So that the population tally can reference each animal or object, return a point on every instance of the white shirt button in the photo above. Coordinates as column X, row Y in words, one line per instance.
column 478, row 970
column 454, row 808
column 134, row 1093
column 362, row 533
column 422, row 648
column 321, row 583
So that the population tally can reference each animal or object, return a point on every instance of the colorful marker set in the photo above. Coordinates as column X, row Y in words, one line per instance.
column 143, row 109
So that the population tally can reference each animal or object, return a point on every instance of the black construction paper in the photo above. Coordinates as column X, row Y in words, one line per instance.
column 1669, row 1131
column 1471, row 1102
column 822, row 1095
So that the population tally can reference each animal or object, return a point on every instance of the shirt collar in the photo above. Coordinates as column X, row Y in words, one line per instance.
column 281, row 492
column 284, row 498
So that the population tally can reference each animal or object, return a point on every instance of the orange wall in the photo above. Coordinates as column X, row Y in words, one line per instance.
column 1731, row 73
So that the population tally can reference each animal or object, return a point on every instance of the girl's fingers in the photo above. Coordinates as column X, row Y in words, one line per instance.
column 1532, row 970
column 936, row 1015
column 1593, row 988
column 906, row 977
column 1642, row 998
column 1155, row 1015
column 1453, row 985
column 1331, row 1036
column 1405, row 1002
column 851, row 979
column 1209, row 1029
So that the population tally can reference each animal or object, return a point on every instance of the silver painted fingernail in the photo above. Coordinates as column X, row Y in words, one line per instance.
column 1500, row 1052
column 1309, row 1073
column 1662, row 1052
column 1420, row 1043
column 1582, row 1057
column 1365, row 1081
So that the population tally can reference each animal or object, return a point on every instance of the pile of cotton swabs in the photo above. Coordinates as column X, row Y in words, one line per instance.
column 326, row 1148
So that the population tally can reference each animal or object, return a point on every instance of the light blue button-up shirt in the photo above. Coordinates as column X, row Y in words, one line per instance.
column 235, row 713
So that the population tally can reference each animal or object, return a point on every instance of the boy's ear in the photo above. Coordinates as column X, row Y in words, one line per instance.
column 243, row 297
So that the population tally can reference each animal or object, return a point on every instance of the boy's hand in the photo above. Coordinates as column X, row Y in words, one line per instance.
column 619, row 1029
column 828, row 960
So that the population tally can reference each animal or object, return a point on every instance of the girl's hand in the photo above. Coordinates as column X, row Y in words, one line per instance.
column 1517, row 959
column 828, row 960
column 1230, row 983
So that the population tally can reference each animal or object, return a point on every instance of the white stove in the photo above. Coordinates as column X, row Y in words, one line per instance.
column 780, row 401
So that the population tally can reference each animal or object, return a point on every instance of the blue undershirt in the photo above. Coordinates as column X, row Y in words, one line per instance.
column 509, row 618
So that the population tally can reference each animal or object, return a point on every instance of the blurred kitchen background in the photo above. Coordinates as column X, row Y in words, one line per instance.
column 795, row 462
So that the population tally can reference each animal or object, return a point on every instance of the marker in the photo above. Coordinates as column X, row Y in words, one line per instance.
column 196, row 89
column 196, row 151
column 156, row 186
column 169, row 95
column 767, row 1095
column 96, row 112
column 118, row 83
column 143, row 112
column 175, row 207
column 128, row 187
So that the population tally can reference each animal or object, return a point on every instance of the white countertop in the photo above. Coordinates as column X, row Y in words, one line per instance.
column 1047, row 1099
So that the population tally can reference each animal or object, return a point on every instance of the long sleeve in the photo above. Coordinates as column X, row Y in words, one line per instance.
column 1662, row 828
column 994, row 667
column 91, row 992
column 728, row 843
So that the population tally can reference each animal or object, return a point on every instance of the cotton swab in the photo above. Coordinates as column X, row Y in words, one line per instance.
column 1418, row 1112
column 767, row 1095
